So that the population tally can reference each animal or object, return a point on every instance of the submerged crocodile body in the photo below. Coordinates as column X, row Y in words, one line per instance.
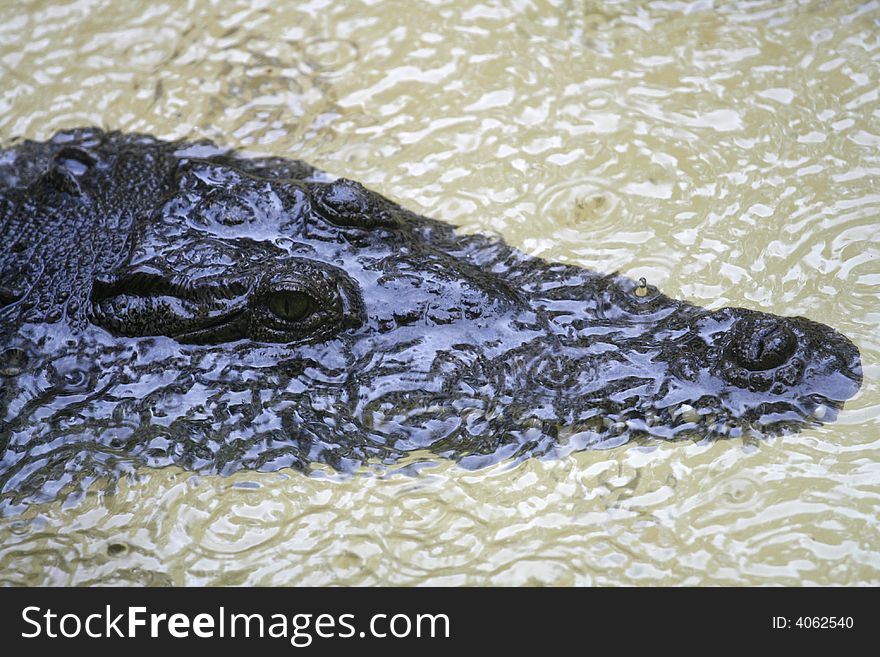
column 173, row 303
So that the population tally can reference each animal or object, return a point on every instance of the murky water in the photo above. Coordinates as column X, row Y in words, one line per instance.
column 729, row 152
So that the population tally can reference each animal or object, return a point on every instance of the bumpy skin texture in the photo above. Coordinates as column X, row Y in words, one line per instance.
column 360, row 330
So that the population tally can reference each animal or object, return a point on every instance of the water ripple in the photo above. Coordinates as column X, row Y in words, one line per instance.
column 728, row 154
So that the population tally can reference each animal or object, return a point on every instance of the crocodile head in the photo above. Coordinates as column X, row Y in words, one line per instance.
column 433, row 320
column 236, row 312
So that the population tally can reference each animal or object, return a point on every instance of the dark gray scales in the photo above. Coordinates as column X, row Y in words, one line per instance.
column 173, row 303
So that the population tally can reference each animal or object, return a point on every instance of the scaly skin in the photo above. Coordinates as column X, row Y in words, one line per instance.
column 356, row 329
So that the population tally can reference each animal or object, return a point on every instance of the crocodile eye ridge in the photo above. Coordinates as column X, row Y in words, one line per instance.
column 345, row 202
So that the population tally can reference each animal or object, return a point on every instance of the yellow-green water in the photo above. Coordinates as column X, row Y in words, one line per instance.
column 727, row 151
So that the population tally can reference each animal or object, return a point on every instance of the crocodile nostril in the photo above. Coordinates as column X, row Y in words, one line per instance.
column 75, row 160
column 763, row 344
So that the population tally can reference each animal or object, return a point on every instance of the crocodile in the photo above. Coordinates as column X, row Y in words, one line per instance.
column 177, row 303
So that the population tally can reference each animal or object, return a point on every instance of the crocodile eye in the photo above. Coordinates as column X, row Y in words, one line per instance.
column 303, row 301
column 290, row 306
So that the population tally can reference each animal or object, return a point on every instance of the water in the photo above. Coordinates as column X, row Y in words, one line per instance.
column 728, row 152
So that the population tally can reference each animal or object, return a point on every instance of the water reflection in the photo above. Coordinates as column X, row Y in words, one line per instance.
column 736, row 167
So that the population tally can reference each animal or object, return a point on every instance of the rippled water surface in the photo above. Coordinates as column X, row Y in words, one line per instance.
column 729, row 152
